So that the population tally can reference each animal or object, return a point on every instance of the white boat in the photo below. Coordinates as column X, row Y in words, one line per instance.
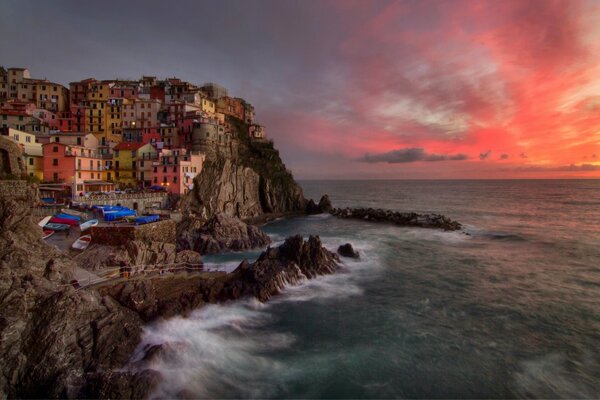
column 73, row 212
column 44, row 221
column 82, row 243
column 87, row 225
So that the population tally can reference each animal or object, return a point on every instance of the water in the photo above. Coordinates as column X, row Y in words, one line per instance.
column 511, row 310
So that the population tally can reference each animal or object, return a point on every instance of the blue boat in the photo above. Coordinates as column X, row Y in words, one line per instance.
column 147, row 219
column 68, row 216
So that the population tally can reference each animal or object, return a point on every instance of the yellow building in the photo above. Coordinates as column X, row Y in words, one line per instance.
column 125, row 158
column 32, row 151
column 51, row 96
column 113, row 113
column 207, row 106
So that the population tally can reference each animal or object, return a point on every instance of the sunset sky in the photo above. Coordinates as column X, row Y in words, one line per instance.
column 356, row 89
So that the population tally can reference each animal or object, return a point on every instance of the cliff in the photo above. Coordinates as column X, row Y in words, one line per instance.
column 244, row 178
column 51, row 335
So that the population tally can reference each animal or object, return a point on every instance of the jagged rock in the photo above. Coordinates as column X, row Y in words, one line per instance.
column 324, row 206
column 120, row 384
column 346, row 250
column 220, row 233
column 398, row 218
column 293, row 261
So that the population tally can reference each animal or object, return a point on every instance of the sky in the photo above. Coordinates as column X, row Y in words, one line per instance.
column 355, row 89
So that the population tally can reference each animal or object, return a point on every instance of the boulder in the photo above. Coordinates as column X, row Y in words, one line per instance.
column 325, row 204
column 220, row 233
column 346, row 250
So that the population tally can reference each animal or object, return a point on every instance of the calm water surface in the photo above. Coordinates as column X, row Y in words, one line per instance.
column 511, row 309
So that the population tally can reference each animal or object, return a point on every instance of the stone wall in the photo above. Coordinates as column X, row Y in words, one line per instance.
column 135, row 201
column 115, row 235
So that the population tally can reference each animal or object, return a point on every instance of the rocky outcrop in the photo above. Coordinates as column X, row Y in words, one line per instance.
column 52, row 336
column 293, row 261
column 324, row 206
column 220, row 233
column 245, row 180
column 288, row 264
column 11, row 162
column 140, row 256
column 346, row 250
column 437, row 221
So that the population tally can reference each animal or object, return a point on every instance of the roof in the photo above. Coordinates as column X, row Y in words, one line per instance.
column 129, row 146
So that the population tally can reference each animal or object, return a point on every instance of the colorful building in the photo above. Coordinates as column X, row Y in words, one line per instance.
column 31, row 151
column 175, row 170
column 77, row 166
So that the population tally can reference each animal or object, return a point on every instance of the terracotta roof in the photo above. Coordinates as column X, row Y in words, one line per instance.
column 128, row 146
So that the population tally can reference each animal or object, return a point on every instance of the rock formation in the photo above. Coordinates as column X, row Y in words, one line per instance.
column 220, row 233
column 245, row 179
column 346, row 250
column 324, row 206
column 294, row 260
column 52, row 336
column 437, row 221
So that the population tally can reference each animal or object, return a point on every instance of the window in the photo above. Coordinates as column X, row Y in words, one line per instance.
column 174, row 179
column 57, row 139
column 17, row 138
column 55, row 161
column 30, row 160
column 155, row 178
column 55, row 176
column 91, row 165
column 55, row 149
column 28, row 139
column 79, row 175
column 92, row 175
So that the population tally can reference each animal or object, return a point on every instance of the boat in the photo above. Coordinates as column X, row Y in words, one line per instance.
column 118, row 214
column 56, row 227
column 82, row 243
column 64, row 221
column 47, row 233
column 147, row 219
column 44, row 221
column 73, row 212
column 68, row 216
column 87, row 225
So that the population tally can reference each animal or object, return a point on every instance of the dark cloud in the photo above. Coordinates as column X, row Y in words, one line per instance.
column 504, row 156
column 409, row 155
column 483, row 156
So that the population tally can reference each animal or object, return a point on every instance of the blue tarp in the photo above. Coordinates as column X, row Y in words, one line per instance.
column 118, row 214
column 48, row 199
column 147, row 219
column 68, row 216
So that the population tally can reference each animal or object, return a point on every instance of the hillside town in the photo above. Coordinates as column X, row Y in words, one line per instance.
column 99, row 136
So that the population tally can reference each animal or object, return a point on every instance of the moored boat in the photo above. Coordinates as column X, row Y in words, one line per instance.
column 64, row 221
column 87, row 225
column 82, row 243
column 56, row 227
column 68, row 216
column 47, row 233
column 44, row 221
column 73, row 212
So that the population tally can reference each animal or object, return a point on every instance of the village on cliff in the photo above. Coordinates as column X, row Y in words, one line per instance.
column 99, row 136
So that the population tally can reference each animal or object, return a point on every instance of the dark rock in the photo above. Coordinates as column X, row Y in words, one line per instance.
column 220, row 233
column 120, row 384
column 325, row 204
column 437, row 221
column 346, row 250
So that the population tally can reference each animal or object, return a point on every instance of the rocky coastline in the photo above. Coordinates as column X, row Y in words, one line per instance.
column 409, row 219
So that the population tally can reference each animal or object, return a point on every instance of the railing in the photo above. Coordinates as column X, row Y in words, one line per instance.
column 120, row 196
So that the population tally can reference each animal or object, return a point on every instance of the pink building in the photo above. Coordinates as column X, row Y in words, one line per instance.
column 175, row 170
column 78, row 166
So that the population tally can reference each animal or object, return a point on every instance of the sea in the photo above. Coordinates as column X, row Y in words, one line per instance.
column 509, row 307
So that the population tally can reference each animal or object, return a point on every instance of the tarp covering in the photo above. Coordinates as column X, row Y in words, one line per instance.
column 68, row 216
column 147, row 219
column 118, row 214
